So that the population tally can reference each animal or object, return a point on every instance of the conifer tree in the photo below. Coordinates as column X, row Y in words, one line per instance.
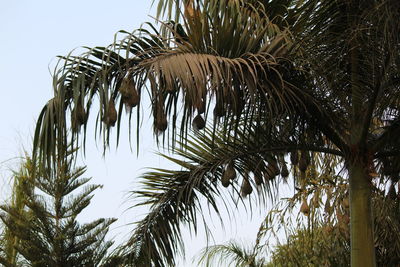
column 17, row 200
column 41, row 221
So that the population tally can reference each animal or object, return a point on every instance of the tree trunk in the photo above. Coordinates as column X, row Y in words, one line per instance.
column 361, row 220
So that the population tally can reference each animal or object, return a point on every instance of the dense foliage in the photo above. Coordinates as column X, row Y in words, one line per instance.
column 41, row 225
column 297, row 77
column 312, row 229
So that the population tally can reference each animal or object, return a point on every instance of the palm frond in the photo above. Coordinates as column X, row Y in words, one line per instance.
column 231, row 254
column 238, row 62
column 205, row 159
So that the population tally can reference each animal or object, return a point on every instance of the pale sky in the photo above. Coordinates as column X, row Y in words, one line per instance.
column 32, row 34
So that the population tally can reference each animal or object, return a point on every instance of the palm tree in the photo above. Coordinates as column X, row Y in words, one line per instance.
column 232, row 254
column 320, row 75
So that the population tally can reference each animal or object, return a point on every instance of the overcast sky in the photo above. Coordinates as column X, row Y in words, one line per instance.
column 32, row 34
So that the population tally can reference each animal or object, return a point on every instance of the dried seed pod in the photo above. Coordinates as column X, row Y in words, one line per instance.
column 284, row 171
column 130, row 96
column 273, row 166
column 198, row 122
column 225, row 180
column 305, row 209
column 230, row 171
column 303, row 162
column 246, row 188
column 111, row 115
column 132, row 100
column 269, row 174
column 79, row 116
column 161, row 122
column 228, row 175
column 124, row 88
column 294, row 157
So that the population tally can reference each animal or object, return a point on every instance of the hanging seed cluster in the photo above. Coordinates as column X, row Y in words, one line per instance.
column 110, row 116
column 304, row 208
column 227, row 103
column 301, row 162
column 79, row 116
column 272, row 169
column 129, row 93
column 219, row 109
column 160, row 117
column 246, row 188
column 263, row 172
column 336, row 208
column 198, row 122
column 228, row 175
column 129, row 97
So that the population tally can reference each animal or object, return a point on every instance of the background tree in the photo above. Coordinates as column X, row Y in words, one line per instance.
column 42, row 229
column 231, row 254
column 207, row 163
column 312, row 229
column 322, row 238
column 17, row 202
column 323, row 74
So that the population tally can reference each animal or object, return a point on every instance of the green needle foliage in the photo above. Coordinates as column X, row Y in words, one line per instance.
column 41, row 222
column 18, row 199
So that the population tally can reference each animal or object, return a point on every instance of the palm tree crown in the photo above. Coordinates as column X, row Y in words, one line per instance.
column 308, row 76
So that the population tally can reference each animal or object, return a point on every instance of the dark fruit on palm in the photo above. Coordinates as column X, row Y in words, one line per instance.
column 198, row 122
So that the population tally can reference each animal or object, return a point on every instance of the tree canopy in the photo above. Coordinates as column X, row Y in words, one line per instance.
column 40, row 224
column 315, row 76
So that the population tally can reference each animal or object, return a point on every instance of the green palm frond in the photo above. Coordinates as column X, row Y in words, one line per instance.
column 174, row 197
column 314, row 76
column 231, row 254
column 234, row 60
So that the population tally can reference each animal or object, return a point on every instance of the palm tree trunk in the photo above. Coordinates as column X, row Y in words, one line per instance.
column 361, row 220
